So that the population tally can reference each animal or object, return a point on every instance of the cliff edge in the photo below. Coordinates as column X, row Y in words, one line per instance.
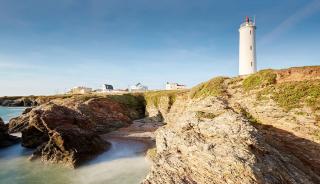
column 264, row 128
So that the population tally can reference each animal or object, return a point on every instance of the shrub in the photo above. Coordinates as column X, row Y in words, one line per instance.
column 259, row 79
column 205, row 115
column 213, row 87
column 295, row 94
column 129, row 100
column 249, row 117
column 154, row 97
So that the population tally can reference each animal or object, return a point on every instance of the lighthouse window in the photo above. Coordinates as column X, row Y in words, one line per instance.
column 251, row 63
column 250, row 32
column 251, row 47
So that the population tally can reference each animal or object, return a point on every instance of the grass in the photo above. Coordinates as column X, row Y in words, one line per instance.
column 288, row 95
column 205, row 115
column 296, row 94
column 301, row 113
column 265, row 93
column 154, row 97
column 249, row 116
column 135, row 101
column 260, row 79
column 213, row 87
column 292, row 95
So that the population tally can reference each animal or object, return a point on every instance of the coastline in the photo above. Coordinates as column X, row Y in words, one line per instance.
column 141, row 130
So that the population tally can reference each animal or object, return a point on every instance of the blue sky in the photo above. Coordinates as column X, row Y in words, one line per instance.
column 50, row 46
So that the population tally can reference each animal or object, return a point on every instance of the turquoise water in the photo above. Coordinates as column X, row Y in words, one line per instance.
column 6, row 113
column 122, row 164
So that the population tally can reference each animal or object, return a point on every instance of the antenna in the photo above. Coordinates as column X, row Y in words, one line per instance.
column 254, row 20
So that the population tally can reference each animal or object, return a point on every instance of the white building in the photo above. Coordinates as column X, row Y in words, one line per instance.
column 80, row 90
column 175, row 86
column 138, row 87
column 247, row 48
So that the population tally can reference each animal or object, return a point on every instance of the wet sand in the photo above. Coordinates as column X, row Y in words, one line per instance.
column 140, row 130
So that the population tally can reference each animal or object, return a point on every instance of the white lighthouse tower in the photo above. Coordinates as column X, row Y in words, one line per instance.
column 247, row 48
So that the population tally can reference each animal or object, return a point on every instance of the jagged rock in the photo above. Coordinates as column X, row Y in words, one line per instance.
column 298, row 74
column 27, row 110
column 5, row 138
column 106, row 114
column 67, row 131
column 19, row 123
column 227, row 147
column 61, row 135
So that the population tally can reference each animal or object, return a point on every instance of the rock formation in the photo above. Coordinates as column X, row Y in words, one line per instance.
column 67, row 131
column 61, row 135
column 5, row 138
column 239, row 131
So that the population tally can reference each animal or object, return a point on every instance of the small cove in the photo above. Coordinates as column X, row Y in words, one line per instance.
column 124, row 163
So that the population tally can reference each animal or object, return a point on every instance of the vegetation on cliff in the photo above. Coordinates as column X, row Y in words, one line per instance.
column 205, row 115
column 132, row 101
column 223, row 134
column 296, row 94
column 260, row 79
column 154, row 97
column 290, row 95
column 213, row 87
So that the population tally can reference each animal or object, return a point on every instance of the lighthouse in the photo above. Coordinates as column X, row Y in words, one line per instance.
column 247, row 47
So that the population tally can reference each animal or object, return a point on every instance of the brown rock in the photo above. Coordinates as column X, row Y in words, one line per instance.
column 298, row 74
column 66, row 131
column 61, row 135
column 237, row 138
column 5, row 138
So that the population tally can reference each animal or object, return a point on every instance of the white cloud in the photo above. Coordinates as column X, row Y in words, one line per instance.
column 291, row 21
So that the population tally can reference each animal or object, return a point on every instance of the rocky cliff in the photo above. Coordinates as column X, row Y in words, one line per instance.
column 67, row 130
column 5, row 138
column 263, row 128
column 28, row 101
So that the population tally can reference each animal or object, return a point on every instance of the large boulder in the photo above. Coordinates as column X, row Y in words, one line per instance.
column 106, row 114
column 5, row 138
column 67, row 130
column 60, row 135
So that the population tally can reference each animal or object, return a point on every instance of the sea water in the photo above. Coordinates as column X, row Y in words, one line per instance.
column 6, row 113
column 122, row 164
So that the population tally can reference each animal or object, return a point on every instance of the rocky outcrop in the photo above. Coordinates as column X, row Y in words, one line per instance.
column 232, row 136
column 298, row 74
column 28, row 101
column 5, row 138
column 221, row 148
column 106, row 113
column 67, row 131
column 18, row 101
column 61, row 135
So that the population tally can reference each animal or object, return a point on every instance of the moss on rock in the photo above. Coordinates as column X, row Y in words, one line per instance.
column 260, row 79
column 154, row 97
column 213, row 87
column 296, row 94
